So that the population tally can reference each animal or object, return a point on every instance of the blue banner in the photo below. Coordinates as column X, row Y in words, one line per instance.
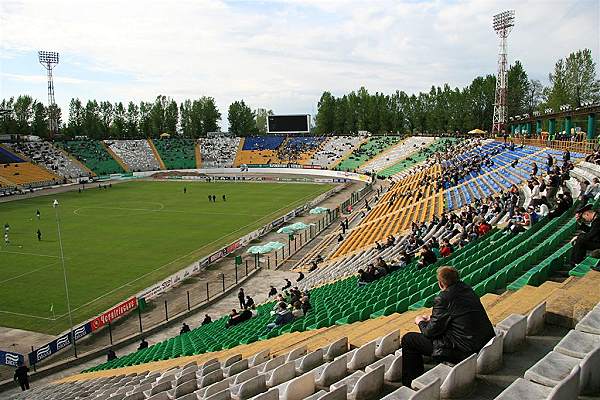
column 58, row 344
column 10, row 358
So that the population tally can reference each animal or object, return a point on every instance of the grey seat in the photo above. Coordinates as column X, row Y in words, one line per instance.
column 232, row 360
column 259, row 358
column 515, row 329
column 522, row 389
column 577, row 344
column 335, row 349
column 429, row 392
column 393, row 367
column 184, row 388
column 362, row 357
column 329, row 373
column 272, row 364
column 243, row 376
column 388, row 344
column 212, row 389
column 281, row 374
column 210, row 378
column 296, row 353
column 339, row 393
column 555, row 367
column 363, row 386
column 249, row 388
column 298, row 388
column 236, row 368
column 309, row 361
column 591, row 322
column 456, row 381
column 536, row 319
column 489, row 358
column 223, row 395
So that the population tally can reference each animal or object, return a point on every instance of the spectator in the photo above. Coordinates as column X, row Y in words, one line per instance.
column 592, row 190
column 282, row 316
column 589, row 238
column 111, row 355
column 184, row 328
column 249, row 302
column 236, row 318
column 306, row 306
column 364, row 277
column 446, row 248
column 272, row 292
column 241, row 297
column 428, row 257
column 21, row 376
column 297, row 312
column 457, row 327
column 143, row 344
column 300, row 276
column 288, row 284
column 207, row 319
column 562, row 205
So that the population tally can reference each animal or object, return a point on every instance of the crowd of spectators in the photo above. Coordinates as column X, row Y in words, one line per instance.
column 137, row 154
column 219, row 152
column 45, row 154
column 333, row 149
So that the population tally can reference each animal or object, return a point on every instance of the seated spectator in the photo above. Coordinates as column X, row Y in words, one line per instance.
column 589, row 237
column 300, row 276
column 483, row 227
column 272, row 292
column 382, row 264
column 306, row 306
column 427, row 257
column 143, row 344
column 562, row 205
column 232, row 314
column 288, row 284
column 457, row 327
column 207, row 319
column 313, row 266
column 364, row 277
column 592, row 190
column 238, row 318
column 249, row 302
column 184, row 328
column 446, row 248
column 282, row 316
column 111, row 355
column 297, row 311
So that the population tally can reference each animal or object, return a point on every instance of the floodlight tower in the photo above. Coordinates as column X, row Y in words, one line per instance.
column 49, row 59
column 502, row 23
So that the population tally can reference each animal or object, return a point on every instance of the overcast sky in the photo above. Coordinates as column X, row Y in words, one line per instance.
column 280, row 55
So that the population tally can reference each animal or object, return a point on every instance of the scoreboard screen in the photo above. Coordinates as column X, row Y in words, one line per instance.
column 288, row 123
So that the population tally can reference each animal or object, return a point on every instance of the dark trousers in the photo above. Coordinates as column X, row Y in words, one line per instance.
column 24, row 384
column 242, row 303
column 414, row 347
column 580, row 248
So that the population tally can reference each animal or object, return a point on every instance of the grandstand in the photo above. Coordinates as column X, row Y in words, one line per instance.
column 136, row 154
column 176, row 153
column 333, row 149
column 93, row 154
column 366, row 151
column 51, row 158
column 219, row 152
column 394, row 154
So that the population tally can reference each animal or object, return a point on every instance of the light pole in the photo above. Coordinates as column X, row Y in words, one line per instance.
column 62, row 259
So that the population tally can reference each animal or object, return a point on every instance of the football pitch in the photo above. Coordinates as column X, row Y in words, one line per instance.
column 119, row 240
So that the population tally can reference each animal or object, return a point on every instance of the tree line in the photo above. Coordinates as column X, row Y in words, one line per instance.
column 445, row 109
column 441, row 109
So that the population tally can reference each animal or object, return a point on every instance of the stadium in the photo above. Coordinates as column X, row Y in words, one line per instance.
column 437, row 245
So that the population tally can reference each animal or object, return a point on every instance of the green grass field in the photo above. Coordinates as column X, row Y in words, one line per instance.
column 120, row 240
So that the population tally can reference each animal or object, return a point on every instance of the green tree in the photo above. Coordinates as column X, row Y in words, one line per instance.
column 582, row 83
column 241, row 119
column 39, row 125
column 325, row 114
column 261, row 117
column 211, row 115
column 517, row 90
column 23, row 111
column 76, row 118
column 118, row 128
column 132, row 120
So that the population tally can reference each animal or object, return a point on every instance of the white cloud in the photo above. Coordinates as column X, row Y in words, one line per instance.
column 282, row 55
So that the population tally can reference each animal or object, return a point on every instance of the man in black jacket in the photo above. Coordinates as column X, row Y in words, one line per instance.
column 590, row 238
column 458, row 327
